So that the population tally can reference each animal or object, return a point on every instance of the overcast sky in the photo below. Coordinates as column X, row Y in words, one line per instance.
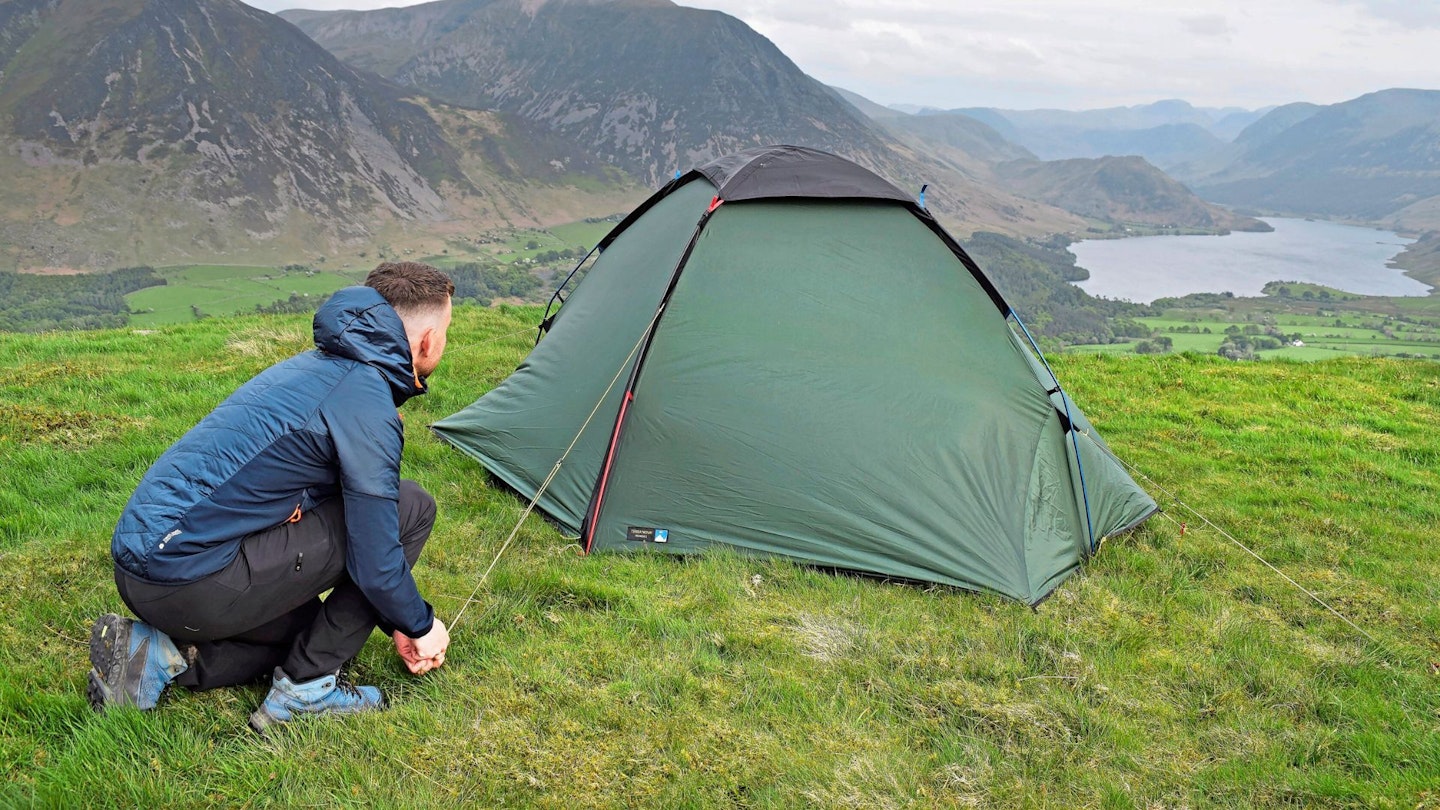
column 1083, row 54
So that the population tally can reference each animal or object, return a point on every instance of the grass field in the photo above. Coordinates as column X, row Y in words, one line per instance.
column 1176, row 671
column 226, row 290
column 221, row 290
column 586, row 234
column 1325, row 337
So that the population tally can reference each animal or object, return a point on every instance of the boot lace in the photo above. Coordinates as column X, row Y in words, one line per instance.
column 348, row 689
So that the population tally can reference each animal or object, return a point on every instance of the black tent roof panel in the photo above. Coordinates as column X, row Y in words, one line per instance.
column 796, row 171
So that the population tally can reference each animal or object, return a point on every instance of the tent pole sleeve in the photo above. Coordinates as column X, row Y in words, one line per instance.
column 592, row 513
column 548, row 319
column 1070, row 420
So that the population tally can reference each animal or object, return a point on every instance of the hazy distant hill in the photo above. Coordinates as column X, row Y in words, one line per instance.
column 877, row 112
column 1166, row 133
column 1140, row 116
column 1275, row 122
column 1121, row 189
column 959, row 139
column 1374, row 158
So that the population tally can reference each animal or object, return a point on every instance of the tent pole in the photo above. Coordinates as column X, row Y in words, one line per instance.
column 1074, row 441
column 544, row 485
column 547, row 319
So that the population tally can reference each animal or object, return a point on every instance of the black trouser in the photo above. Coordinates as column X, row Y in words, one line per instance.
column 264, row 610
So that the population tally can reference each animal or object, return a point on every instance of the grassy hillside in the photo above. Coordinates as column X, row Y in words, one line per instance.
column 1177, row 671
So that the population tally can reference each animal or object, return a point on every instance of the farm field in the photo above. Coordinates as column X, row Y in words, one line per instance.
column 1324, row 337
column 586, row 234
column 192, row 291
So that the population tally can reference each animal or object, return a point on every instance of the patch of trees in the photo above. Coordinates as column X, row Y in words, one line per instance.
column 1155, row 345
column 1241, row 343
column 1193, row 301
column 484, row 283
column 549, row 256
column 1035, row 279
column 1299, row 291
column 293, row 305
column 38, row 303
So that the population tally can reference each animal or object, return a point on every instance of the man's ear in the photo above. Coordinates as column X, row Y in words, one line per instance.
column 427, row 342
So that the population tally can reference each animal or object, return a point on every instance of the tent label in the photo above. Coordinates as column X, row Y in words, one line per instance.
column 643, row 534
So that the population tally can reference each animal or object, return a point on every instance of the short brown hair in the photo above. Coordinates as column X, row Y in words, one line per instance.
column 411, row 287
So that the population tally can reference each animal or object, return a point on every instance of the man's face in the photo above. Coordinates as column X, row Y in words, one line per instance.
column 432, row 345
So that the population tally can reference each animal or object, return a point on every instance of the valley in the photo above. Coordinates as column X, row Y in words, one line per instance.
column 484, row 136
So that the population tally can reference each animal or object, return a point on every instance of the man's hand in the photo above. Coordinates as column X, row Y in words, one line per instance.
column 425, row 653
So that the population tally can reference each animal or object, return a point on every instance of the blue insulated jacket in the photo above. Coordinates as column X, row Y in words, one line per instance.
column 320, row 424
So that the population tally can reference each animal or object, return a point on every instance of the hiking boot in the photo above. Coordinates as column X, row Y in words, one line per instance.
column 132, row 663
column 326, row 694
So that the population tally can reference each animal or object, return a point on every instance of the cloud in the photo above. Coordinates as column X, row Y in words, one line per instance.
column 1100, row 52
column 1403, row 13
column 1096, row 53
column 1207, row 25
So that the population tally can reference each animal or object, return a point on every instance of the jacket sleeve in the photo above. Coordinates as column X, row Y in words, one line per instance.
column 368, row 437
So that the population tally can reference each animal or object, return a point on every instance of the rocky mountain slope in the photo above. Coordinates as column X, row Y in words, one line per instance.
column 146, row 130
column 648, row 86
column 653, row 87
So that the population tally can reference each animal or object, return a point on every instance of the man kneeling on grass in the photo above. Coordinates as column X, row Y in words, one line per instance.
column 291, row 487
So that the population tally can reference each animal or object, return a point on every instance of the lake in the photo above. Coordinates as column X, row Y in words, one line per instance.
column 1344, row 257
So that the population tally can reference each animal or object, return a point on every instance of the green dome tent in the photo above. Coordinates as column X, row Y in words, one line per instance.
column 791, row 357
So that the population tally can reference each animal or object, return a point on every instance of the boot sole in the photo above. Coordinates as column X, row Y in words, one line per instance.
column 260, row 722
column 109, row 648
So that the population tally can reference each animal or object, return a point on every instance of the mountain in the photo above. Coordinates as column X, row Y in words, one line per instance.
column 137, row 131
column 1166, row 133
column 1119, row 189
column 155, row 91
column 648, row 86
column 1275, row 122
column 1165, row 146
column 652, row 86
column 1232, row 121
column 1200, row 167
column 1125, row 190
column 1375, row 158
column 958, row 139
column 1142, row 116
column 876, row 112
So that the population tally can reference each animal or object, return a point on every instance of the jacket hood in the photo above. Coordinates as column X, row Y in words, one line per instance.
column 357, row 323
